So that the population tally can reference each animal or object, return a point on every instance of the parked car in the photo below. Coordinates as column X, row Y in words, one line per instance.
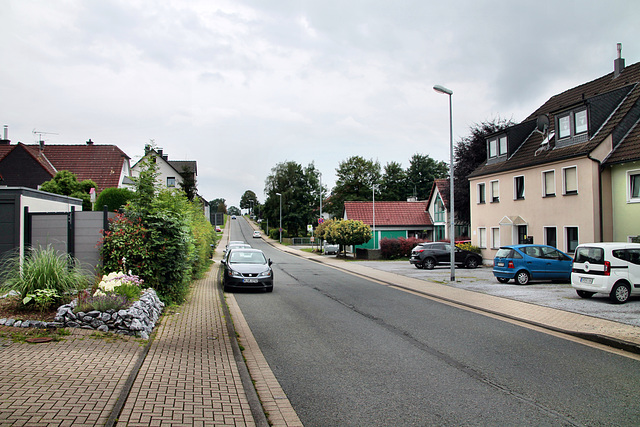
column 428, row 255
column 524, row 263
column 257, row 234
column 218, row 229
column 330, row 248
column 247, row 269
column 609, row 268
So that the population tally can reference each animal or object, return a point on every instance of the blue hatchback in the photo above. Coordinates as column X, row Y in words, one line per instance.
column 524, row 263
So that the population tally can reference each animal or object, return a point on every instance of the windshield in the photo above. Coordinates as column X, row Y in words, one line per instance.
column 241, row 257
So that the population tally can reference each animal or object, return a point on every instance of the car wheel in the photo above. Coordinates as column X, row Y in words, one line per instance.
column 522, row 278
column 471, row 263
column 419, row 265
column 584, row 294
column 620, row 293
column 429, row 263
column 502, row 279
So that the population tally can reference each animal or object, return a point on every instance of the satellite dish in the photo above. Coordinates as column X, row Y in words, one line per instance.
column 542, row 123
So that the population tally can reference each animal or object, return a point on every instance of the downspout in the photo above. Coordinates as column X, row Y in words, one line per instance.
column 600, row 168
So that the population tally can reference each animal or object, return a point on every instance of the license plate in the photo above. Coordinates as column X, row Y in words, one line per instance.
column 501, row 264
column 586, row 280
column 250, row 281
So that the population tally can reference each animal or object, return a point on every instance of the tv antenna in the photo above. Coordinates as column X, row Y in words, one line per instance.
column 40, row 133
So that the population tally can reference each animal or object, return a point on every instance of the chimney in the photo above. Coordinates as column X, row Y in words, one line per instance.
column 159, row 150
column 618, row 64
column 89, row 142
column 41, row 145
column 5, row 139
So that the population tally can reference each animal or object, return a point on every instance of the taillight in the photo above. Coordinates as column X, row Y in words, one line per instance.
column 511, row 265
column 607, row 268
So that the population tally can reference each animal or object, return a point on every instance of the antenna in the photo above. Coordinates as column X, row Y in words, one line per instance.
column 39, row 133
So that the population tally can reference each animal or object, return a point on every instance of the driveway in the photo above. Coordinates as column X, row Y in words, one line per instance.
column 560, row 296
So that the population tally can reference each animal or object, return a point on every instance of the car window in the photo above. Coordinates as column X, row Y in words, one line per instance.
column 247, row 257
column 589, row 254
column 533, row 251
column 504, row 253
column 630, row 255
column 551, row 253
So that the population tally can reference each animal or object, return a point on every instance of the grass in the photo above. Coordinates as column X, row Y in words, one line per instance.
column 23, row 335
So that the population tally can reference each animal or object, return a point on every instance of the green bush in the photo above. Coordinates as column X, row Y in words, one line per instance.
column 102, row 303
column 113, row 198
column 42, row 268
column 469, row 247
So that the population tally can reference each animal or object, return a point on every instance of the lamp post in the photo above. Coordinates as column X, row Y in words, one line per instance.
column 373, row 190
column 278, row 194
column 452, row 235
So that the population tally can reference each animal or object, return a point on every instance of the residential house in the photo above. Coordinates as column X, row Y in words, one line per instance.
column 392, row 220
column 30, row 165
column 438, row 209
column 171, row 173
column 568, row 173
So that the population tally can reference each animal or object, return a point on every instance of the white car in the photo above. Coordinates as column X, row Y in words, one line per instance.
column 257, row 234
column 609, row 268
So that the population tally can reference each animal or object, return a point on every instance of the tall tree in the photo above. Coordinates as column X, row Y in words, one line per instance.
column 469, row 153
column 356, row 178
column 393, row 186
column 248, row 200
column 300, row 193
column 423, row 170
column 188, row 184
column 66, row 183
column 218, row 205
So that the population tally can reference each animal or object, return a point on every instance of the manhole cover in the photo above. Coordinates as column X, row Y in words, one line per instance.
column 39, row 339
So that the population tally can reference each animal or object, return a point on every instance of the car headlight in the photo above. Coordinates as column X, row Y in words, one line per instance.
column 234, row 273
column 266, row 273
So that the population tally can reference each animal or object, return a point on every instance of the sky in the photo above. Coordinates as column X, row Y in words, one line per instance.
column 242, row 85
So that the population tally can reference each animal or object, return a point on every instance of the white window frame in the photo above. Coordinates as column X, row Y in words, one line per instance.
column 495, row 241
column 544, row 231
column 564, row 181
column 545, row 193
column 482, row 237
column 515, row 188
column 174, row 181
column 632, row 173
column 482, row 188
column 566, row 237
column 492, row 148
column 496, row 182
column 502, row 145
column 572, row 127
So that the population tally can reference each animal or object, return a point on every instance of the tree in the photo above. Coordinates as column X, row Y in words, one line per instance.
column 146, row 185
column 233, row 210
column 188, row 184
column 393, row 186
column 356, row 177
column 300, row 190
column 348, row 232
column 218, row 205
column 423, row 170
column 66, row 183
column 469, row 153
column 248, row 200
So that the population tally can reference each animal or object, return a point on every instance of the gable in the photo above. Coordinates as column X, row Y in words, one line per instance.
column 19, row 168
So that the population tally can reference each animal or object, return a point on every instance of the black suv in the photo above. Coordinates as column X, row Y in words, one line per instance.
column 428, row 255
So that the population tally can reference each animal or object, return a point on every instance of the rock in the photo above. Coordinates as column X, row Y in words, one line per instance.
column 17, row 324
column 103, row 328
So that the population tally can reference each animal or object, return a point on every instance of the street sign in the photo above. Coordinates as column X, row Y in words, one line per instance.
column 320, row 220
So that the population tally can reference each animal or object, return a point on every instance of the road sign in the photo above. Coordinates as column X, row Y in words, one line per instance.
column 320, row 220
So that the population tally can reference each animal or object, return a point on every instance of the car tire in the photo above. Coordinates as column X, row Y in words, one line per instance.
column 429, row 263
column 585, row 294
column 503, row 279
column 522, row 277
column 471, row 263
column 620, row 293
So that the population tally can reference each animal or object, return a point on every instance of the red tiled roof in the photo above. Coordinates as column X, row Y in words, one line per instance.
column 389, row 213
column 442, row 185
column 100, row 163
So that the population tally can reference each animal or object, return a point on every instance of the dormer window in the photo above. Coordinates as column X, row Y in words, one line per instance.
column 572, row 124
column 497, row 146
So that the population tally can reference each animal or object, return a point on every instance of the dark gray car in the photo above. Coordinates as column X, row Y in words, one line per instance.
column 429, row 255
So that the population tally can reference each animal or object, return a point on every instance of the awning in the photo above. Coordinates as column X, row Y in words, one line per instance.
column 513, row 220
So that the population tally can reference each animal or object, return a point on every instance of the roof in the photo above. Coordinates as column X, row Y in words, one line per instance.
column 100, row 163
column 389, row 213
column 184, row 165
column 621, row 95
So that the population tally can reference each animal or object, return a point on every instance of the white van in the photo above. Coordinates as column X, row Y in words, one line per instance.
column 610, row 268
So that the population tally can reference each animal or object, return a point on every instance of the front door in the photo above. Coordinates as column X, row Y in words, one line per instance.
column 522, row 234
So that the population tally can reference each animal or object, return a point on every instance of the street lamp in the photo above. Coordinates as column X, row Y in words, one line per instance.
column 452, row 235
column 278, row 194
column 373, row 187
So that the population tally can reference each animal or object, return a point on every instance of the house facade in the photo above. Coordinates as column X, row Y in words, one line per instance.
column 439, row 211
column 392, row 220
column 559, row 177
column 171, row 173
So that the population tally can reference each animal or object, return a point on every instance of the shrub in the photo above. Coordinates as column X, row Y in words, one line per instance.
column 469, row 247
column 43, row 299
column 398, row 248
column 113, row 198
column 42, row 268
column 102, row 303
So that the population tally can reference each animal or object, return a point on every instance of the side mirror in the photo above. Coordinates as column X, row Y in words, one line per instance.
column 270, row 262
column 223, row 262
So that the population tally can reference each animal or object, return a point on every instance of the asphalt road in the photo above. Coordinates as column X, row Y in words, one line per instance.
column 349, row 351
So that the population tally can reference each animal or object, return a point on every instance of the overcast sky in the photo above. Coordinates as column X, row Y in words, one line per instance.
column 242, row 85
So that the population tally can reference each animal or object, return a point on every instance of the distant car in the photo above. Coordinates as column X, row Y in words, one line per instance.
column 428, row 255
column 233, row 217
column 218, row 229
column 524, row 263
column 256, row 234
column 330, row 248
column 609, row 268
column 247, row 269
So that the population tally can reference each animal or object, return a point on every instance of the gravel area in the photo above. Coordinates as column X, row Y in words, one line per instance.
column 560, row 296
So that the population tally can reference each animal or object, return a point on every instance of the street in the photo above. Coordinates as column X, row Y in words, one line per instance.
column 350, row 351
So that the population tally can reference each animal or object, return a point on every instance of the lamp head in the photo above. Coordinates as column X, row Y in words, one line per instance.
column 443, row 89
